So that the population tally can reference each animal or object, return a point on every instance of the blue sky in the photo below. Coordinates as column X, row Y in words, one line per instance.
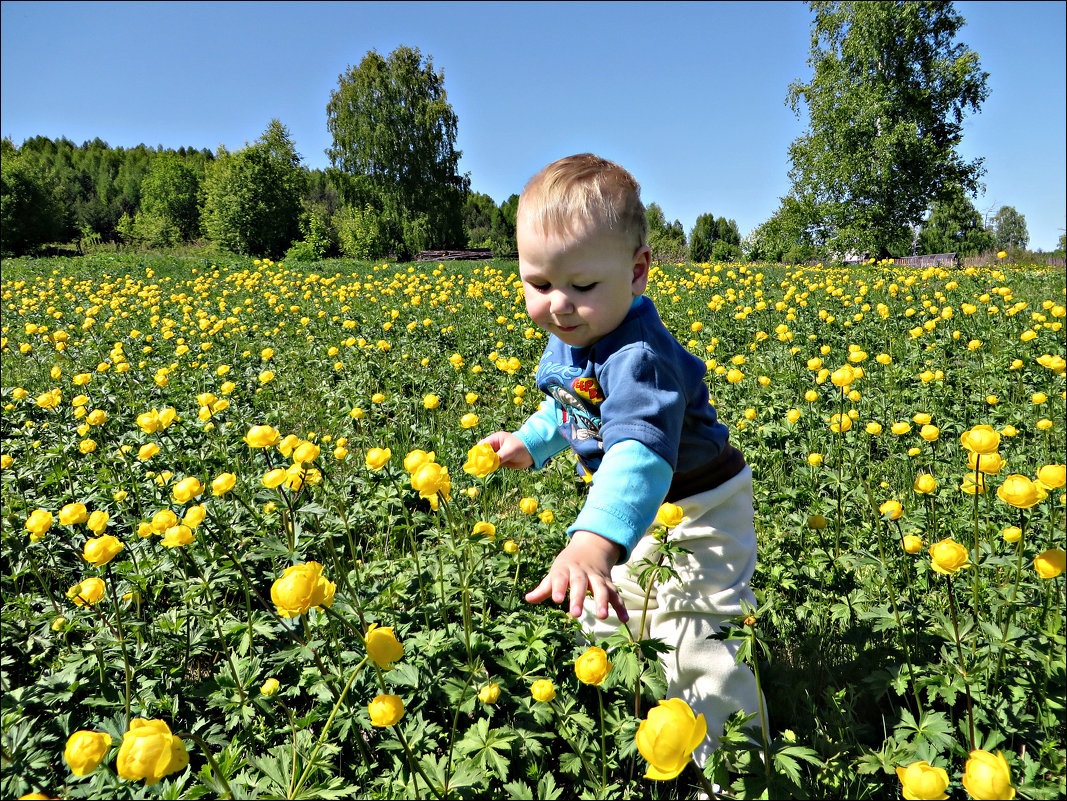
column 689, row 96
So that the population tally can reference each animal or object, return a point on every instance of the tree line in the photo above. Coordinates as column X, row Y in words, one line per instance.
column 877, row 172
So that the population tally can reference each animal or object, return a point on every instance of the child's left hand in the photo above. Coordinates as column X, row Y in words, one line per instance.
column 585, row 564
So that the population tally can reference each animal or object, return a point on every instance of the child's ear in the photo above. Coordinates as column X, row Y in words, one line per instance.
column 642, row 262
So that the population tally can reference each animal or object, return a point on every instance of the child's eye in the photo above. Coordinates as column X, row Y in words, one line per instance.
column 584, row 287
column 540, row 287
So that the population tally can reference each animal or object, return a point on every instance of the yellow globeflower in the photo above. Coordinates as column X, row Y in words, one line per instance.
column 1052, row 476
column 150, row 751
column 270, row 687
column 668, row 737
column 38, row 524
column 925, row 484
column 274, row 478
column 481, row 460
column 431, row 401
column 593, row 666
column 187, row 489
column 377, row 458
column 543, row 690
column 87, row 592
column 1050, row 563
column 930, row 433
column 469, row 420
column 900, row 428
column 981, row 439
column 947, row 556
column 86, row 750
column 892, row 509
column 1020, row 492
column 1012, row 534
column 73, row 513
column 484, row 529
column 987, row 776
column 815, row 459
column 262, row 436
column 416, row 459
column 990, row 463
column 300, row 588
column 177, row 536
column 670, row 515
column 528, row 506
column 98, row 551
column 385, row 710
column 306, row 452
column 920, row 781
column 912, row 543
column 382, row 646
column 223, row 483
column 489, row 693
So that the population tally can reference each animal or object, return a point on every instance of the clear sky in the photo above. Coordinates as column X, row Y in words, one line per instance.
column 689, row 96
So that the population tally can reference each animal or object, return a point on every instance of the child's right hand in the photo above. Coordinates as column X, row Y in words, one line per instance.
column 510, row 449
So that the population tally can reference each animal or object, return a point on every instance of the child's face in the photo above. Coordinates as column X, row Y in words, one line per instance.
column 580, row 288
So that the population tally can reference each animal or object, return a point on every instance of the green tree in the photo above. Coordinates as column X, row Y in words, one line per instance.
column 701, row 238
column 1009, row 229
column 31, row 213
column 886, row 103
column 955, row 226
column 394, row 136
column 667, row 240
column 169, row 212
column 252, row 197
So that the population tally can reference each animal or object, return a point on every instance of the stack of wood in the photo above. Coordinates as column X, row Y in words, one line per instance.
column 477, row 254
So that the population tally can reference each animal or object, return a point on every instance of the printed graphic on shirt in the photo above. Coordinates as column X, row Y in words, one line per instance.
column 589, row 389
column 583, row 425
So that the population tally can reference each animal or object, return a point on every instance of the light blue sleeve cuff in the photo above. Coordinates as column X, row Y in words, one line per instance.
column 540, row 434
column 626, row 493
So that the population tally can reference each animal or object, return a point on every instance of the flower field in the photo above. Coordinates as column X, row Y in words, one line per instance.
column 250, row 550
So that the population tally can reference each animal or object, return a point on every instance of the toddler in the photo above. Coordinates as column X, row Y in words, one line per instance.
column 632, row 404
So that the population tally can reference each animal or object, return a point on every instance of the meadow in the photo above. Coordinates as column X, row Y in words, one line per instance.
column 248, row 551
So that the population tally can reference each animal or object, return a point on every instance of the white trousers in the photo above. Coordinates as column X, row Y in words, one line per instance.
column 712, row 583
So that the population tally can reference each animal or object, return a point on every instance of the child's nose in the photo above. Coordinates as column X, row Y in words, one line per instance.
column 560, row 302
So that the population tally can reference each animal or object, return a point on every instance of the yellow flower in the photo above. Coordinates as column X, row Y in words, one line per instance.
column 811, row 396
column 817, row 522
column 270, row 687
column 892, row 509
column 873, row 428
column 481, row 460
column 38, row 523
column 87, row 592
column 593, row 666
column 1052, row 476
column 223, row 483
column 543, row 690
column 73, row 513
column 150, row 751
column 87, row 446
column 511, row 547
column 147, row 451
column 489, row 693
column 930, row 433
column 383, row 646
column 981, row 439
column 947, row 556
column 177, row 536
column 377, row 458
column 98, row 551
column 1012, row 534
column 416, row 459
column 735, row 376
column 301, row 587
column 1043, row 425
column 1001, row 254
column 274, row 478
column 668, row 737
column 262, row 436
column 86, row 750
column 430, row 479
column 59, row 623
column 306, row 452
column 431, row 401
column 528, row 506
column 669, row 515
column 815, row 459
column 187, row 489
column 920, row 781
column 987, row 776
column 469, row 420
column 1050, row 563
column 194, row 516
column 377, row 397
column 912, row 543
column 925, row 484
column 792, row 415
column 900, row 428
column 990, row 463
column 484, row 529
column 1020, row 492
column 385, row 710
column 972, row 487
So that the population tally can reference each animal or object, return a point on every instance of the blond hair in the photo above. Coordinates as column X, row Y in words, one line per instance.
column 577, row 193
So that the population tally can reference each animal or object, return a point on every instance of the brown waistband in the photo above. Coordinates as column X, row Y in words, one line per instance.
column 718, row 471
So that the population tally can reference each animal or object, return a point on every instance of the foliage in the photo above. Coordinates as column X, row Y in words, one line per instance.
column 886, row 101
column 870, row 660
column 394, row 129
column 714, row 238
column 31, row 214
column 366, row 234
column 667, row 241
column 1009, row 229
column 487, row 226
column 955, row 226
column 252, row 197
